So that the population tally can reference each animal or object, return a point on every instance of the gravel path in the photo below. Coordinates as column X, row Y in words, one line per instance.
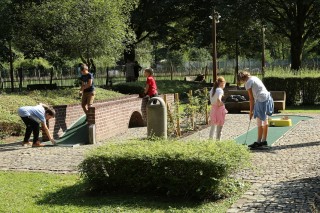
column 285, row 178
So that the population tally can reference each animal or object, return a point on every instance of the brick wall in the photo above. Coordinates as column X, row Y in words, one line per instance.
column 110, row 118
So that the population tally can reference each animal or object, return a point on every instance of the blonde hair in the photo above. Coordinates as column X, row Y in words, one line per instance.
column 243, row 75
column 216, row 83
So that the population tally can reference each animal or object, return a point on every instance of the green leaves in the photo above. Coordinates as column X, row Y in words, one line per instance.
column 190, row 169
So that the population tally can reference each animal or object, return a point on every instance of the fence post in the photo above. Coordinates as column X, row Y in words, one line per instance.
column 192, row 111
column 176, row 100
column 206, row 105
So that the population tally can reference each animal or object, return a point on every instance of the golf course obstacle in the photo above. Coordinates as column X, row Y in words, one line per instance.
column 105, row 118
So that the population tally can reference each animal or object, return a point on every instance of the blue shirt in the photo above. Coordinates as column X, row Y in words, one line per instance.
column 36, row 113
column 85, row 79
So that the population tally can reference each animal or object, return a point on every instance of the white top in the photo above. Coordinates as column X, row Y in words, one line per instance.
column 36, row 113
column 217, row 95
column 260, row 92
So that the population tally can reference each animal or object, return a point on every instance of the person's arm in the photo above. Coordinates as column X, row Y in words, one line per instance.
column 146, row 89
column 86, row 86
column 251, row 99
column 219, row 100
column 81, row 87
column 45, row 128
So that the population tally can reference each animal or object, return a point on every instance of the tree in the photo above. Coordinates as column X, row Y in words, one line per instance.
column 298, row 20
column 158, row 21
column 77, row 29
column 9, row 16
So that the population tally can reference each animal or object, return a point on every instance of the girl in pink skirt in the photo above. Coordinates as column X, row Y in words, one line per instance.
column 218, row 111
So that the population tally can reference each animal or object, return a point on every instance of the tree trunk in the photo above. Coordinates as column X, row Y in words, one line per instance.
column 296, row 51
column 51, row 75
column 20, row 79
column 236, row 70
column 11, row 66
column 130, row 53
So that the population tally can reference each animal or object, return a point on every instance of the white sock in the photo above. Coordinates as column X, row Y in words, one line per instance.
column 219, row 130
column 212, row 131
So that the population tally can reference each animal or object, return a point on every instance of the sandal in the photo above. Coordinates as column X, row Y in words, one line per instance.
column 26, row 143
column 38, row 144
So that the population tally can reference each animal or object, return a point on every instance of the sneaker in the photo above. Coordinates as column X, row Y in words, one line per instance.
column 37, row 144
column 255, row 145
column 264, row 143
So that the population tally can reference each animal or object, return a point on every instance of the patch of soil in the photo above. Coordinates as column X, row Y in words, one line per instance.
column 11, row 139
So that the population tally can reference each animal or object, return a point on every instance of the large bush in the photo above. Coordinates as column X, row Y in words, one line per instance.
column 171, row 168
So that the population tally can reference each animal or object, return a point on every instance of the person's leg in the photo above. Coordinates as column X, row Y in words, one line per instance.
column 219, row 130
column 259, row 137
column 212, row 131
column 84, row 101
column 90, row 99
column 265, row 125
column 27, row 122
column 35, row 130
column 260, row 130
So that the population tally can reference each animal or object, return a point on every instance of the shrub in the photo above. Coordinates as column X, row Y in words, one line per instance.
column 298, row 89
column 128, row 88
column 171, row 168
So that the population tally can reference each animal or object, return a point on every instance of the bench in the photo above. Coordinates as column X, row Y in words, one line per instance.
column 279, row 98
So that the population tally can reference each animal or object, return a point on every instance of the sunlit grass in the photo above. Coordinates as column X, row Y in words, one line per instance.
column 302, row 109
column 286, row 72
column 44, row 192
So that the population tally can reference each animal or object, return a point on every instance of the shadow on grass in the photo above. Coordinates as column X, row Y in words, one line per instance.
column 77, row 196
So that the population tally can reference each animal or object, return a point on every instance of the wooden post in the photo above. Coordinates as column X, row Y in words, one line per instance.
column 170, row 114
column 176, row 98
column 206, row 105
column 192, row 113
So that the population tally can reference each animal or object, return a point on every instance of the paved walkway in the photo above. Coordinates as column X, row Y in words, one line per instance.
column 285, row 178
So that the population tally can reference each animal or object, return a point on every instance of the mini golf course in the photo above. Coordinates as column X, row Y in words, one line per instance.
column 274, row 132
column 76, row 134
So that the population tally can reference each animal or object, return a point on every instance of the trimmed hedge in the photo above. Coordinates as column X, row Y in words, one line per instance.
column 128, row 88
column 194, row 170
column 298, row 89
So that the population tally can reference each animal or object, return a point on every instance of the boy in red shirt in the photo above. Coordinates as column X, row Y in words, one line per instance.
column 151, row 86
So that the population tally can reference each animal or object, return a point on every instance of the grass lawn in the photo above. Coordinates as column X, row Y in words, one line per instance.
column 44, row 192
column 302, row 109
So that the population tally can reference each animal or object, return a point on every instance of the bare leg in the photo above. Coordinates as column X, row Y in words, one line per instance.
column 212, row 131
column 260, row 131
column 265, row 133
column 219, row 130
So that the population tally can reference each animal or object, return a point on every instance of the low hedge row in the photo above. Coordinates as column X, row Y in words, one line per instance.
column 193, row 170
column 128, row 88
column 304, row 90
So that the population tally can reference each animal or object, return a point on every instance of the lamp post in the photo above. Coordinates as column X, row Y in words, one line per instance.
column 263, row 59
column 215, row 19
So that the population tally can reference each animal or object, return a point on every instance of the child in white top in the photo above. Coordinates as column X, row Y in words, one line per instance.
column 218, row 110
column 261, row 105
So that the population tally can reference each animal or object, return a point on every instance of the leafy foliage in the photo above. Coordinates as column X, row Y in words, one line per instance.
column 301, row 87
column 169, row 168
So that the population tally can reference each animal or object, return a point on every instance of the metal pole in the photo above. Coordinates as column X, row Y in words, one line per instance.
column 214, row 47
column 263, row 59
